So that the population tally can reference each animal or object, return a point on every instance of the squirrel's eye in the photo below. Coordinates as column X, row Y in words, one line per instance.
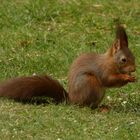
column 123, row 60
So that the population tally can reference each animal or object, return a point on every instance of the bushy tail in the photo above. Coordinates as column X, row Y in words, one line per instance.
column 34, row 88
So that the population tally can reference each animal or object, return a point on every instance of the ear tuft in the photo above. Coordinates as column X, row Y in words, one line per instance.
column 122, row 36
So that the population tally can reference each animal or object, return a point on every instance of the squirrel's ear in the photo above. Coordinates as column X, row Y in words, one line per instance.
column 120, row 41
column 116, row 46
column 121, row 36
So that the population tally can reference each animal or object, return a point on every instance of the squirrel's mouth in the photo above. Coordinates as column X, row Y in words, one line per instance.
column 131, row 73
column 130, row 70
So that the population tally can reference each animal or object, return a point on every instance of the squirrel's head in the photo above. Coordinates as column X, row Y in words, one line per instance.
column 121, row 54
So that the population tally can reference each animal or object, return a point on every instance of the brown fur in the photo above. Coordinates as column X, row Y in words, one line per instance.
column 25, row 88
column 91, row 73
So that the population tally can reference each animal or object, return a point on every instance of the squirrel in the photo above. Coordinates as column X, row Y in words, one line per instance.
column 91, row 73
column 89, row 76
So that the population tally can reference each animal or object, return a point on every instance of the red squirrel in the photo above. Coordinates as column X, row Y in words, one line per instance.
column 89, row 76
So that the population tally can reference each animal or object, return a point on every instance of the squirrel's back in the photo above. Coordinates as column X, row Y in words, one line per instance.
column 99, row 65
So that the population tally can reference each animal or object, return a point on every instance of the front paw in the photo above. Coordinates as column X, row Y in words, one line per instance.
column 129, row 78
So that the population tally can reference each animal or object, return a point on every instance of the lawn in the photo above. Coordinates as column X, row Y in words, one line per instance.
column 44, row 37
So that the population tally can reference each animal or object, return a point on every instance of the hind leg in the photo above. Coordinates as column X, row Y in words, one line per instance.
column 86, row 91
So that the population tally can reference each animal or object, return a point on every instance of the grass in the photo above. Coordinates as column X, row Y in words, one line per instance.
column 44, row 37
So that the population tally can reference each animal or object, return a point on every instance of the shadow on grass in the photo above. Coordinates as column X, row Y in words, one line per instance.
column 129, row 106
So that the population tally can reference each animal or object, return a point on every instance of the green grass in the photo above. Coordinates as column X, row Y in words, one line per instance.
column 44, row 37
